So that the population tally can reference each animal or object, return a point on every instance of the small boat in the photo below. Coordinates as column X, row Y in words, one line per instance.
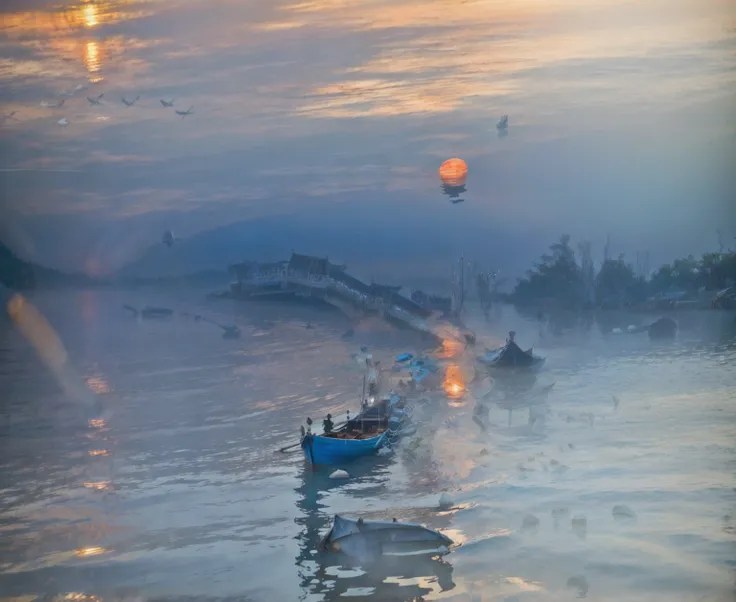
column 372, row 538
column 362, row 435
column 511, row 356
column 343, row 445
column 156, row 312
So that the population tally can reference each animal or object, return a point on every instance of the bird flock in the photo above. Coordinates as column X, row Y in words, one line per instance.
column 93, row 101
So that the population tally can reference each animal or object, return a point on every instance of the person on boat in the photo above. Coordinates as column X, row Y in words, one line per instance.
column 511, row 337
column 327, row 424
column 309, row 425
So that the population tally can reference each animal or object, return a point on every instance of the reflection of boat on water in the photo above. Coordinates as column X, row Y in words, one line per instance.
column 516, row 394
column 511, row 357
column 369, row 539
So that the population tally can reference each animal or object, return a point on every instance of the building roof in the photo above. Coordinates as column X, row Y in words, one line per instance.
column 313, row 265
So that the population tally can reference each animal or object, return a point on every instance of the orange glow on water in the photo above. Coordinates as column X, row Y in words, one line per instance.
column 454, row 382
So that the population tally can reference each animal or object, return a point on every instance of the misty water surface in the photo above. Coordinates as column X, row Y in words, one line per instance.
column 168, row 485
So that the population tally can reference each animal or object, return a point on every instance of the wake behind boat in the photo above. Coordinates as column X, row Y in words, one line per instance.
column 511, row 357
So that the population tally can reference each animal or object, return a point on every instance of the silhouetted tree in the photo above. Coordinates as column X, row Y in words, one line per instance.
column 617, row 285
column 556, row 278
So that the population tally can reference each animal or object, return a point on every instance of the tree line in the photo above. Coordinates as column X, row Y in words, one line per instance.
column 565, row 279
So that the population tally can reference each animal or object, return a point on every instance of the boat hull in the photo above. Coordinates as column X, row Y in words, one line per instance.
column 535, row 366
column 320, row 450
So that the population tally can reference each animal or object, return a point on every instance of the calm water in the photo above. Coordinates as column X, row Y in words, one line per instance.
column 168, row 483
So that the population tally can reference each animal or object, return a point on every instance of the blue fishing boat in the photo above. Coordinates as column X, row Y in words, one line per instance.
column 375, row 425
column 341, row 446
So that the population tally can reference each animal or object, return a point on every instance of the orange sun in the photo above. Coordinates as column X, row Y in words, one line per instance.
column 454, row 171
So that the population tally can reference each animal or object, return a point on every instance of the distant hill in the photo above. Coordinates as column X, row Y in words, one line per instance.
column 390, row 248
column 15, row 273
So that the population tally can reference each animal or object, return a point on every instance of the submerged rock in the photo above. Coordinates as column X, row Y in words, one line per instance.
column 664, row 328
column 445, row 501
column 530, row 523
column 621, row 511
column 580, row 583
column 340, row 474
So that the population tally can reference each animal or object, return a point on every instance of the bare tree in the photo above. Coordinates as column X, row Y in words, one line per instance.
column 587, row 270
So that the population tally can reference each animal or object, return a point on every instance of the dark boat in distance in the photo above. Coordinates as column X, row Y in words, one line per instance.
column 511, row 357
column 372, row 538
column 150, row 312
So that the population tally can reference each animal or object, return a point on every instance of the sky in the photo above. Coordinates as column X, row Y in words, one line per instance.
column 333, row 116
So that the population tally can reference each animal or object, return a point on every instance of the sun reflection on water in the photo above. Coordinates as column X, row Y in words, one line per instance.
column 90, row 14
column 92, row 61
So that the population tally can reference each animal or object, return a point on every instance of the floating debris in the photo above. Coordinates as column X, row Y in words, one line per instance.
column 340, row 474
column 63, row 121
column 53, row 105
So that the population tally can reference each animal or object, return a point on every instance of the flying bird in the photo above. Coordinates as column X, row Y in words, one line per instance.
column 167, row 103
column 96, row 100
column 185, row 113
column 7, row 116
column 63, row 121
column 53, row 105
column 129, row 103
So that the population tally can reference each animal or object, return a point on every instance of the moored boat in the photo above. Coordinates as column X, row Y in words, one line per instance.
column 362, row 435
column 511, row 357
column 342, row 446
